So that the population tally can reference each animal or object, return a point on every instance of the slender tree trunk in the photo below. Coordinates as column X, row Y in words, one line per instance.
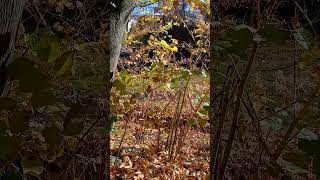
column 212, row 93
column 10, row 14
column 119, row 20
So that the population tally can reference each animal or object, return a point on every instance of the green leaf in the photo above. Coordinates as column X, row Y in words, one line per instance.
column 220, row 45
column 75, row 110
column 294, row 168
column 312, row 119
column 191, row 122
column 47, row 47
column 241, row 40
column 316, row 165
column 29, row 77
column 34, row 167
column 311, row 147
column 304, row 38
column 307, row 135
column 298, row 158
column 273, row 35
column 19, row 121
column 185, row 73
column 42, row 98
column 206, row 106
column 73, row 126
column 196, row 100
column 64, row 64
column 274, row 123
column 241, row 37
column 202, row 112
column 282, row 113
column 52, row 137
column 119, row 85
column 218, row 74
column 202, row 122
column 113, row 118
column 10, row 173
column 10, row 146
column 7, row 103
column 124, row 75
column 3, row 127
column 32, row 40
column 244, row 26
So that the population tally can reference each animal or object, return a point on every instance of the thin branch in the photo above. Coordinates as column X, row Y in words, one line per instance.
column 234, row 125
column 307, row 18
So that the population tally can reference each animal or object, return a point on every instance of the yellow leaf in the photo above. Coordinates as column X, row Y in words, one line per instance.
column 197, row 3
column 174, row 49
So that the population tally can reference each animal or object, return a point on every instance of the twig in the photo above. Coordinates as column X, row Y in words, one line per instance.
column 41, row 17
column 219, row 127
column 122, row 138
column 234, row 125
column 308, row 19
column 257, row 127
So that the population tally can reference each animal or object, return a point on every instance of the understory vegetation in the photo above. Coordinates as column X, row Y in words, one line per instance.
column 203, row 90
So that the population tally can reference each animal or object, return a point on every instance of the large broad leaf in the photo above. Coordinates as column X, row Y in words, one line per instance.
column 73, row 126
column 50, row 51
column 312, row 119
column 217, row 75
column 273, row 35
column 294, row 168
column 29, row 77
column 316, row 165
column 220, row 45
column 64, row 64
column 185, row 73
column 10, row 173
column 75, row 110
column 298, row 158
column 42, row 98
column 311, row 147
column 34, row 167
column 191, row 122
column 52, row 136
column 3, row 127
column 274, row 123
column 307, row 134
column 45, row 44
column 202, row 122
column 19, row 121
column 10, row 146
column 7, row 103
column 241, row 40
column 119, row 85
column 304, row 38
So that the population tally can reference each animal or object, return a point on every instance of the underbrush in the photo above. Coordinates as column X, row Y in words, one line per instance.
column 162, row 113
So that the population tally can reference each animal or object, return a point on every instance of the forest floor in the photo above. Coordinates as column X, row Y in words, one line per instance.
column 270, row 86
column 144, row 161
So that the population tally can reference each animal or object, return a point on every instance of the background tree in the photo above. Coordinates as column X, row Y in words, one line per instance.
column 119, row 18
column 10, row 14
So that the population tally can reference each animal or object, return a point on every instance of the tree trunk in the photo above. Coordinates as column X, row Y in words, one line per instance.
column 119, row 19
column 10, row 14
